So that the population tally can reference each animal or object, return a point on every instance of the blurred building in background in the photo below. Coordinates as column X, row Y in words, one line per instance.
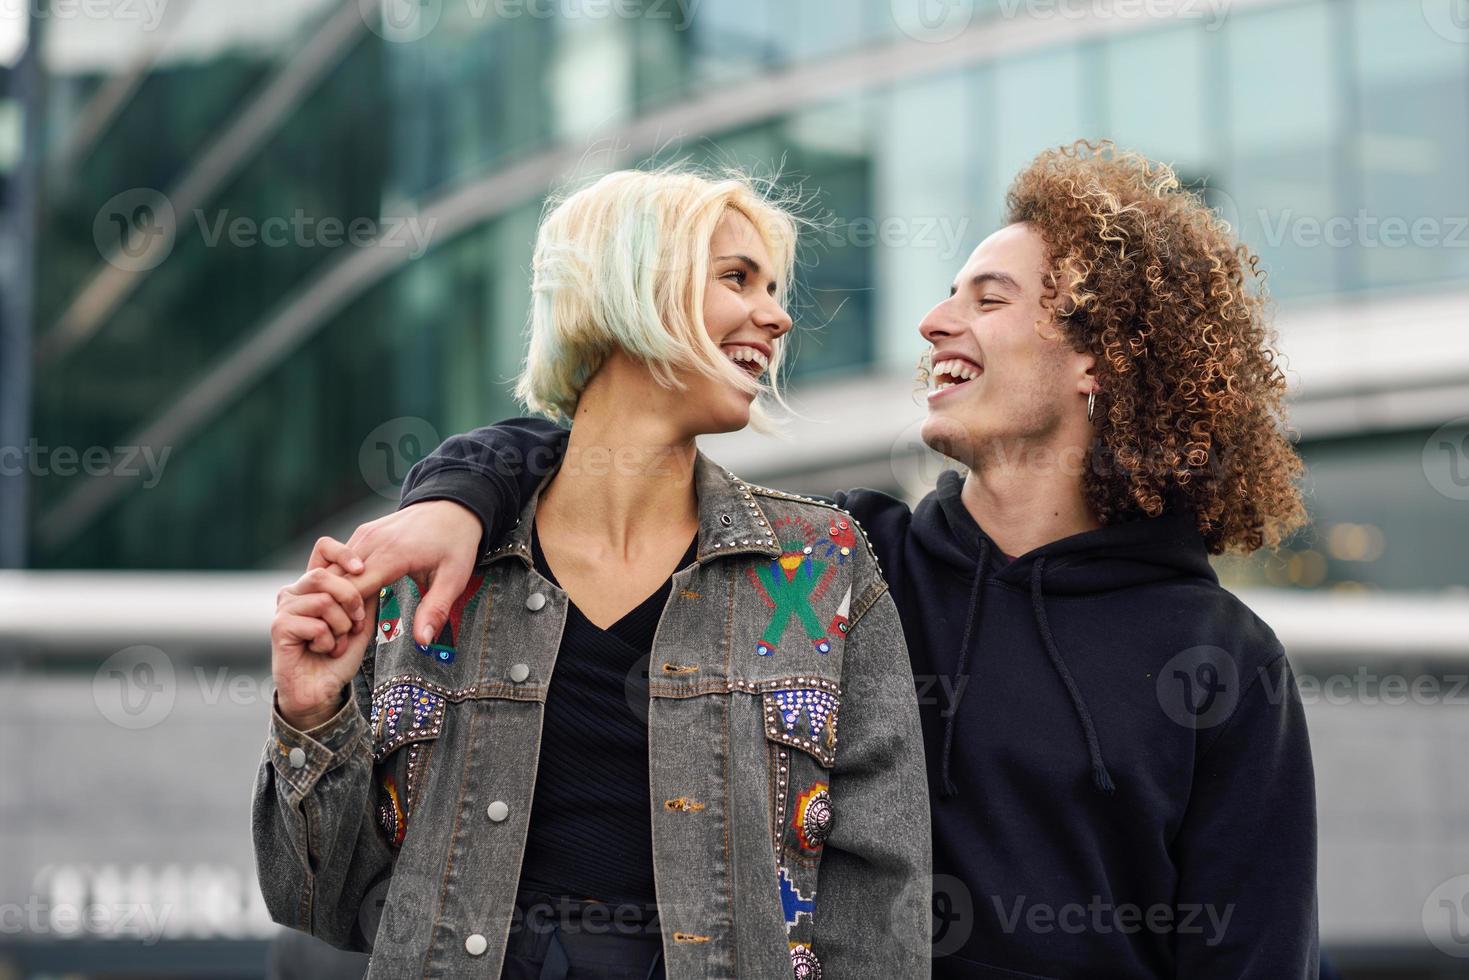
column 257, row 259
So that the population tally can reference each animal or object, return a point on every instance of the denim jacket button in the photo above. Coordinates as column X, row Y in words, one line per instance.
column 535, row 601
column 297, row 757
column 498, row 811
column 476, row 944
column 519, row 672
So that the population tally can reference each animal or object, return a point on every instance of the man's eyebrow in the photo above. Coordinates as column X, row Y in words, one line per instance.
column 754, row 266
column 998, row 278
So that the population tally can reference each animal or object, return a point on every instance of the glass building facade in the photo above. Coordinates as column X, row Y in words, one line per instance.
column 1296, row 118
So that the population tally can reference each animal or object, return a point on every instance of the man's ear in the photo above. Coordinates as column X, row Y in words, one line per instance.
column 1086, row 372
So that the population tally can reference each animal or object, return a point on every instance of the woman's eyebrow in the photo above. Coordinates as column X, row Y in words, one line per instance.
column 754, row 266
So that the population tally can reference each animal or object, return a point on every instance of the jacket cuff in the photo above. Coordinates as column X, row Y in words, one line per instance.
column 301, row 758
column 483, row 493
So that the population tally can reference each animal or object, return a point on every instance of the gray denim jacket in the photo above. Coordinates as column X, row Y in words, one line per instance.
column 779, row 848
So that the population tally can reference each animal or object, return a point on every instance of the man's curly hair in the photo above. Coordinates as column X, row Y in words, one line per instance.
column 1146, row 277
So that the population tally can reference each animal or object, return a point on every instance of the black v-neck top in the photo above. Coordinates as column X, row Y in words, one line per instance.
column 591, row 822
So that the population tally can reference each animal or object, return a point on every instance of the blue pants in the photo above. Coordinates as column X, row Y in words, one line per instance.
column 553, row 938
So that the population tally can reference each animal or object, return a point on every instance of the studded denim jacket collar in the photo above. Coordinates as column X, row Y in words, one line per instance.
column 731, row 520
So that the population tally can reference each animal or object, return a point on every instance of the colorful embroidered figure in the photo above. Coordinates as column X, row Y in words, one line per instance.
column 839, row 622
column 804, row 964
column 389, row 618
column 812, row 819
column 786, row 585
column 793, row 902
column 841, row 540
column 442, row 649
column 818, row 705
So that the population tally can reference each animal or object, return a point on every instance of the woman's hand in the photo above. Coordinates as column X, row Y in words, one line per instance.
column 317, row 641
column 433, row 542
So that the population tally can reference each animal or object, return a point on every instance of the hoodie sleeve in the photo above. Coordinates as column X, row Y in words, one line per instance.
column 491, row 470
column 1246, row 850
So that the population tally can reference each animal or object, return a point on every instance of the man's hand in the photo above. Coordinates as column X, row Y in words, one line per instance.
column 433, row 542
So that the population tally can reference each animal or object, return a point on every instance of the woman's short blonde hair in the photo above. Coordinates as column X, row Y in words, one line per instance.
column 623, row 263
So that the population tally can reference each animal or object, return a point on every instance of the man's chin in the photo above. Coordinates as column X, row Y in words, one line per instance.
column 948, row 437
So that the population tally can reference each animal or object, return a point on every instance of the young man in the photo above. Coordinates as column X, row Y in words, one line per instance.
column 1119, row 766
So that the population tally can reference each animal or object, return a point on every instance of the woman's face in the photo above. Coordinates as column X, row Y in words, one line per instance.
column 742, row 316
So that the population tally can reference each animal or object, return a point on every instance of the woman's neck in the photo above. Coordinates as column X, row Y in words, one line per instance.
column 625, row 476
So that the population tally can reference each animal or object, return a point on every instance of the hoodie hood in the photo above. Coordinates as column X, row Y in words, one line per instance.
column 1120, row 556
column 1117, row 556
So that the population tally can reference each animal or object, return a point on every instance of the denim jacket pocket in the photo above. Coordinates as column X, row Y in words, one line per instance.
column 406, row 719
column 804, row 719
column 804, row 716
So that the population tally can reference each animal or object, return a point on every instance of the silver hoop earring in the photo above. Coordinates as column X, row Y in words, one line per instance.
column 1091, row 403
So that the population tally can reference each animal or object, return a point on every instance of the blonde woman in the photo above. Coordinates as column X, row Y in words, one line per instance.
column 669, row 726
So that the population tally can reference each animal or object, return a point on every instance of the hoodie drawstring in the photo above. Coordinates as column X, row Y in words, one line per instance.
column 976, row 596
column 1100, row 777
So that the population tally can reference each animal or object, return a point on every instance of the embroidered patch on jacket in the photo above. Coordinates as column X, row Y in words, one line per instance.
column 390, row 812
column 812, row 817
column 818, row 736
column 790, row 585
column 793, row 902
column 402, row 713
column 804, row 964
column 389, row 617
column 817, row 704
column 840, row 540
column 442, row 649
column 839, row 622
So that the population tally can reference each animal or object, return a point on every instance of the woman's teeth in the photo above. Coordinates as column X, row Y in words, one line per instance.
column 748, row 358
column 947, row 374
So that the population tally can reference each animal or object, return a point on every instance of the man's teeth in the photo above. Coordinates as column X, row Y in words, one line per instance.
column 943, row 371
column 744, row 354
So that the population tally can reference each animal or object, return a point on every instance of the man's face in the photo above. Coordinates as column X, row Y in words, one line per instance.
column 1003, row 376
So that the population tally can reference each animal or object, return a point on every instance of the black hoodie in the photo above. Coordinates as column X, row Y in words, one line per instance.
column 1120, row 775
